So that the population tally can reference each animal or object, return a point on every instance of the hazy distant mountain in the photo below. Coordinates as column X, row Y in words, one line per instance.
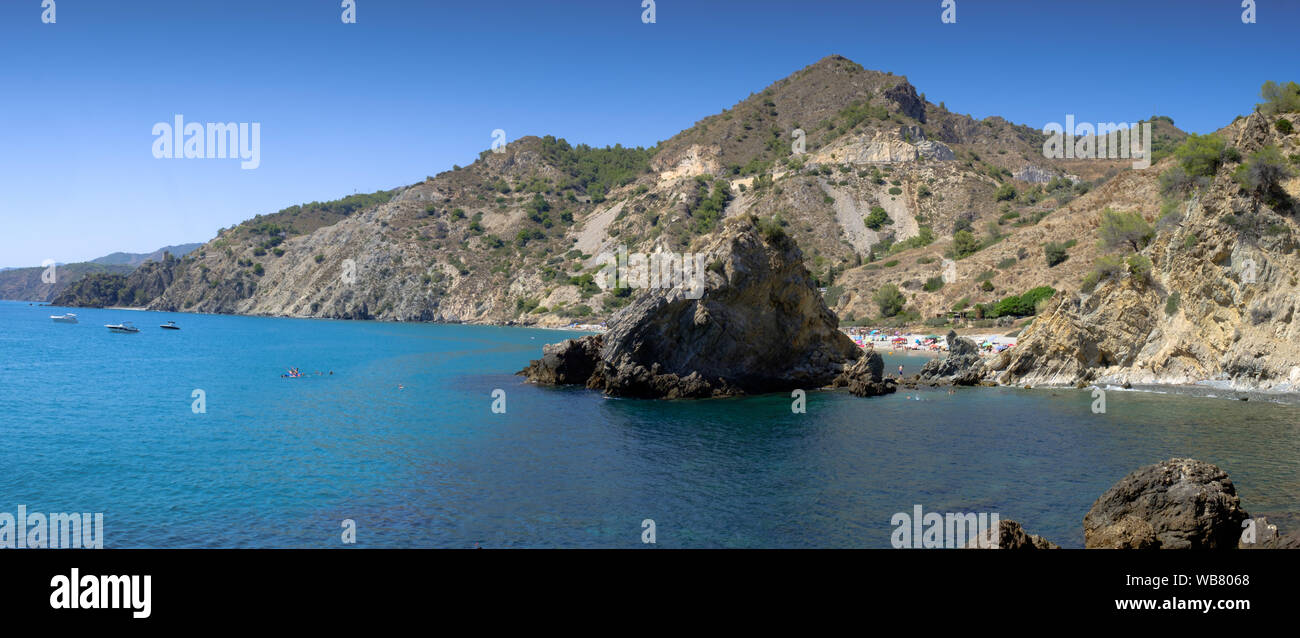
column 135, row 259
column 26, row 284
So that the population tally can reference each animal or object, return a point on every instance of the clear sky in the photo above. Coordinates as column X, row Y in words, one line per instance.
column 417, row 86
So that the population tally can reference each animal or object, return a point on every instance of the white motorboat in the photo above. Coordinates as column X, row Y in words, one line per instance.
column 125, row 326
column 67, row 318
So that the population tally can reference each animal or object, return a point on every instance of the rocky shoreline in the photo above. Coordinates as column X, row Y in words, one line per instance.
column 1179, row 503
column 759, row 326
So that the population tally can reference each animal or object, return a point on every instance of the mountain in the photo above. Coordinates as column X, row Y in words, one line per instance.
column 27, row 284
column 906, row 213
column 135, row 259
column 515, row 237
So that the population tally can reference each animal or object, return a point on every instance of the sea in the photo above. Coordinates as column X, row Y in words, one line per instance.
column 421, row 435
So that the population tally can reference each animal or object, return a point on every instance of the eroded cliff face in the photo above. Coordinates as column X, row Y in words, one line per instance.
column 757, row 325
column 1231, row 268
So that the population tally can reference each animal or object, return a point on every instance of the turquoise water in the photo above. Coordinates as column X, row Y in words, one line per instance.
column 100, row 422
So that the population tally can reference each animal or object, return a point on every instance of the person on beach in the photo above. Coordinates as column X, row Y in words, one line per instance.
column 900, row 370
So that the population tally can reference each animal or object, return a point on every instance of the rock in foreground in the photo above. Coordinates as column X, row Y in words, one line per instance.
column 962, row 366
column 865, row 377
column 1175, row 504
column 760, row 325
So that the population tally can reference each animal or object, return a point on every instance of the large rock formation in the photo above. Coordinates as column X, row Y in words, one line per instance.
column 865, row 377
column 1220, row 301
column 1175, row 504
column 759, row 326
column 962, row 366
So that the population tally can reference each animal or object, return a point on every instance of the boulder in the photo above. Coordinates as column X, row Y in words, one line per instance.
column 865, row 377
column 962, row 366
column 568, row 362
column 1174, row 504
column 758, row 325
column 1009, row 535
column 1261, row 533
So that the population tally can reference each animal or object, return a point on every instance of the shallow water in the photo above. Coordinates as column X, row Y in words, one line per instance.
column 101, row 422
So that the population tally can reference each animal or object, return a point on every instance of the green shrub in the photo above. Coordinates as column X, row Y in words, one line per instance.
column 1263, row 172
column 1055, row 253
column 1006, row 263
column 1200, row 155
column 889, row 299
column 1283, row 125
column 1279, row 98
column 1106, row 267
column 932, row 284
column 924, row 237
column 1124, row 229
column 1139, row 266
column 987, row 286
column 894, row 190
column 1171, row 304
column 877, row 218
column 1005, row 192
column 964, row 244
column 890, row 264
column 1177, row 182
column 1022, row 305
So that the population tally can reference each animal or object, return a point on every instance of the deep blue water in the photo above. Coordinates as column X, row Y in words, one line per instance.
column 99, row 422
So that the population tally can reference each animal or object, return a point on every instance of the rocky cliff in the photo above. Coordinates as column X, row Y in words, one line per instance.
column 757, row 325
column 513, row 237
column 1219, row 303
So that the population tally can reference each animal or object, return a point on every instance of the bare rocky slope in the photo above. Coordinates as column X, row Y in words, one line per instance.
column 1219, row 303
column 513, row 237
column 884, row 181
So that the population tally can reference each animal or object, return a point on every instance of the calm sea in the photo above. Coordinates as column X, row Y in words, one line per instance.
column 402, row 439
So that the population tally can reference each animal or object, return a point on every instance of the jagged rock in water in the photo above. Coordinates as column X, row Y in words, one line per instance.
column 1010, row 535
column 1261, row 533
column 865, row 377
column 568, row 362
column 962, row 366
column 759, row 325
column 1174, row 504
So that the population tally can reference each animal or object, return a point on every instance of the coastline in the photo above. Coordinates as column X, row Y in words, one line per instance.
column 1208, row 388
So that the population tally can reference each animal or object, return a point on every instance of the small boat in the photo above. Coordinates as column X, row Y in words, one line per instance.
column 125, row 326
column 68, row 318
column 170, row 325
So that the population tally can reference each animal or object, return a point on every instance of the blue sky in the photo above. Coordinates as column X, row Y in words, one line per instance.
column 417, row 86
